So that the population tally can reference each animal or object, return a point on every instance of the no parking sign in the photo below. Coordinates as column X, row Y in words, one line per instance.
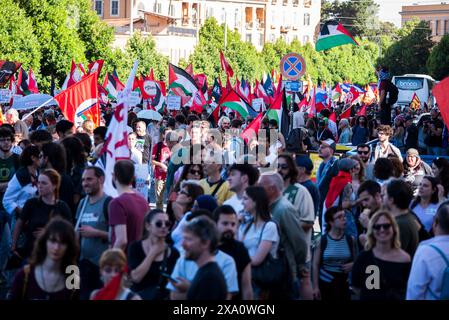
column 292, row 66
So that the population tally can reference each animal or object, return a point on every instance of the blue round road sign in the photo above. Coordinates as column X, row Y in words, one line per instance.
column 292, row 66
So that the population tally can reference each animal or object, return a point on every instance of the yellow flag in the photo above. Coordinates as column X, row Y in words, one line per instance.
column 416, row 103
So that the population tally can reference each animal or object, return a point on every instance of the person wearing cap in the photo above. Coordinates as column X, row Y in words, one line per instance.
column 340, row 192
column 305, row 168
column 411, row 133
column 434, row 131
column 415, row 169
column 327, row 169
column 384, row 148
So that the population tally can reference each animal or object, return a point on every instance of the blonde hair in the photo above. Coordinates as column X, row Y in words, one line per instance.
column 113, row 257
column 371, row 240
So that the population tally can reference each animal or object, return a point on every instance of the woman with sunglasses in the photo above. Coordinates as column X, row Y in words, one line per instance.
column 385, row 258
column 333, row 258
column 150, row 258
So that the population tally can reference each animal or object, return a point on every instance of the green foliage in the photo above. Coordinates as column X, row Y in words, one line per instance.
column 438, row 63
column 410, row 53
column 17, row 39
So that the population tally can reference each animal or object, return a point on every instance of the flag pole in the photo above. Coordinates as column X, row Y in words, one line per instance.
column 41, row 106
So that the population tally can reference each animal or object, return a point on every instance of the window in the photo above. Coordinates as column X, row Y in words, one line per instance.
column 159, row 7
column 99, row 7
column 261, row 40
column 249, row 38
column 115, row 7
column 236, row 19
column 305, row 39
column 272, row 37
column 171, row 10
column 437, row 26
column 446, row 25
column 306, row 19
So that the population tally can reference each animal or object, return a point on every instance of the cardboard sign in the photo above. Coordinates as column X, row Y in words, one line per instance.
column 173, row 102
column 134, row 98
column 258, row 104
column 5, row 95
column 142, row 179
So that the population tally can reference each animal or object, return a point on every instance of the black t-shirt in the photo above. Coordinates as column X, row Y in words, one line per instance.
column 435, row 141
column 393, row 277
column 136, row 255
column 208, row 284
column 66, row 191
column 237, row 250
column 36, row 214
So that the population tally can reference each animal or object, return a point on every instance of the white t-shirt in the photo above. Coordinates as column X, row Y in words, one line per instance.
column 235, row 203
column 251, row 238
column 187, row 269
column 426, row 215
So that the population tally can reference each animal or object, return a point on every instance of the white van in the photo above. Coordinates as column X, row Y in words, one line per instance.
column 409, row 84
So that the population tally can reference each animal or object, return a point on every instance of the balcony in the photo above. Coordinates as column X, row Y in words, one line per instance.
column 284, row 29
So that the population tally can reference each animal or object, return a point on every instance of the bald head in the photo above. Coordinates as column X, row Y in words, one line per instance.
column 273, row 184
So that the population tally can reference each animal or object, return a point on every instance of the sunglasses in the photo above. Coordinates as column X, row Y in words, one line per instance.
column 184, row 193
column 283, row 166
column 160, row 224
column 362, row 152
column 385, row 226
column 195, row 172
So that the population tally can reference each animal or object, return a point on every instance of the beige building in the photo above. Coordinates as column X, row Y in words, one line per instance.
column 174, row 24
column 436, row 14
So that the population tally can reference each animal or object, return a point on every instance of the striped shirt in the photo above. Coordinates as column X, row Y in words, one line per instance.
column 336, row 254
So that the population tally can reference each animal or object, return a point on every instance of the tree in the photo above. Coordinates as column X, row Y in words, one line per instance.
column 438, row 62
column 17, row 39
column 410, row 53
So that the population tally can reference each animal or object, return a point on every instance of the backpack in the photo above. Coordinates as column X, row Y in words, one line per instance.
column 445, row 282
column 392, row 92
column 294, row 141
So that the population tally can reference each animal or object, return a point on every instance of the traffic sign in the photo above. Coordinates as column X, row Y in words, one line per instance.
column 293, row 86
column 292, row 66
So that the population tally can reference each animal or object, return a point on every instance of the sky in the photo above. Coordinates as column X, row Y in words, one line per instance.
column 389, row 9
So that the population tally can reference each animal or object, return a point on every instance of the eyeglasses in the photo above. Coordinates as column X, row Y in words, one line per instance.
column 385, row 226
column 160, row 224
column 195, row 172
column 283, row 166
column 363, row 152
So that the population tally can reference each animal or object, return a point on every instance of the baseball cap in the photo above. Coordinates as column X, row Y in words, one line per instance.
column 346, row 164
column 304, row 161
column 329, row 142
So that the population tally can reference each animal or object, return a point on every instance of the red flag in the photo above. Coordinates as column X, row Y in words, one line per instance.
column 225, row 65
column 252, row 129
column 189, row 69
column 441, row 94
column 302, row 104
column 95, row 66
column 198, row 102
column 345, row 114
column 32, row 83
column 80, row 101
column 362, row 111
column 228, row 84
column 151, row 74
column 216, row 113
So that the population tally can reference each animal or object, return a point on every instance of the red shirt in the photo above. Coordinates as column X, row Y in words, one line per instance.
column 159, row 173
column 128, row 209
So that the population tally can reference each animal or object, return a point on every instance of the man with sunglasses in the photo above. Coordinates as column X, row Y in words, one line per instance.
column 384, row 148
column 364, row 153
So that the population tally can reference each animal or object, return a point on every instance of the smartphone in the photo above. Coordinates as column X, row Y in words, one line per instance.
column 169, row 277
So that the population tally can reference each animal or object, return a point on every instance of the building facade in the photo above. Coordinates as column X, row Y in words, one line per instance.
column 436, row 14
column 174, row 24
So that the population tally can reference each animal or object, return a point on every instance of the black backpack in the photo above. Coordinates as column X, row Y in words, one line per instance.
column 393, row 92
column 295, row 137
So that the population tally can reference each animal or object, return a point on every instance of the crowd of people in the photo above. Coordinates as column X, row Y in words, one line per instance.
column 239, row 220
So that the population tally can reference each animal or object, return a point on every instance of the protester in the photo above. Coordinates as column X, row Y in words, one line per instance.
column 160, row 158
column 113, row 266
column 383, row 170
column 226, row 219
column 415, row 169
column 333, row 258
column 430, row 262
column 344, row 132
column 426, row 203
column 64, row 128
column 92, row 228
column 127, row 211
column 382, row 250
column 305, row 167
column 143, row 143
column 411, row 134
column 150, row 258
column 384, row 148
column 434, row 131
column 44, row 278
column 364, row 153
column 360, row 132
column 440, row 169
column 370, row 198
column 136, row 155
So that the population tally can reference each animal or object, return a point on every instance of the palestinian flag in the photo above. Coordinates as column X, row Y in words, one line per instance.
column 216, row 90
column 112, row 85
column 22, row 83
column 180, row 82
column 416, row 103
column 268, row 86
column 95, row 66
column 337, row 93
column 333, row 34
column 158, row 101
column 7, row 70
column 279, row 112
column 234, row 102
